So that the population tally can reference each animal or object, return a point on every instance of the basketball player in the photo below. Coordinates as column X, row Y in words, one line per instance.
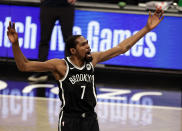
column 75, row 74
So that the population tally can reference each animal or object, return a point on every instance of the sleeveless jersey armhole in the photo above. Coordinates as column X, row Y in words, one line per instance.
column 67, row 70
column 92, row 65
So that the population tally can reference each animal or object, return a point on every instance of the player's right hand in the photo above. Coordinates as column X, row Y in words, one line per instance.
column 12, row 34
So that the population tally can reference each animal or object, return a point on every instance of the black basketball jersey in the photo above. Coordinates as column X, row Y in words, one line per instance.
column 77, row 89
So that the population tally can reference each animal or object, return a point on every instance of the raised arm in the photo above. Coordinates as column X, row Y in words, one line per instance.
column 124, row 46
column 22, row 62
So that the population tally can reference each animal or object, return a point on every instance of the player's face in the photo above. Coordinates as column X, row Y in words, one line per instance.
column 83, row 49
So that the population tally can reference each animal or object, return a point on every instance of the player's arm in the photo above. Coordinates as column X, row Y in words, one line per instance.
column 124, row 46
column 22, row 62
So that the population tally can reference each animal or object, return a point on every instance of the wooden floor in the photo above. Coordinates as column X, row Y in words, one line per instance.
column 21, row 113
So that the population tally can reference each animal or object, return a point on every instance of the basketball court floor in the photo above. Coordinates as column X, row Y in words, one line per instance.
column 121, row 107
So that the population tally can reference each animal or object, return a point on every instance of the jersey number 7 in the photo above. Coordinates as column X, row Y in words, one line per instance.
column 83, row 92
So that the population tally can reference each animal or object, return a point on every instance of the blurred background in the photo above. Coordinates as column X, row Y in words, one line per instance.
column 104, row 23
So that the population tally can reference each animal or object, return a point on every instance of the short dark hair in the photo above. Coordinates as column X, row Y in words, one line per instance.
column 71, row 43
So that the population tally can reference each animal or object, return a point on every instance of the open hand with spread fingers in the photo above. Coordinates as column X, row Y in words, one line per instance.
column 155, row 19
column 12, row 34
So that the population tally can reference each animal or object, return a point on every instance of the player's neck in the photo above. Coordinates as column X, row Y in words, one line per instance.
column 78, row 62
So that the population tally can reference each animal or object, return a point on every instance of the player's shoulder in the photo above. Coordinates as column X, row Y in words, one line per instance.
column 59, row 64
column 57, row 61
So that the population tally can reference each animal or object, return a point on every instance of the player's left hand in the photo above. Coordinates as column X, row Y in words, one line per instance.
column 155, row 19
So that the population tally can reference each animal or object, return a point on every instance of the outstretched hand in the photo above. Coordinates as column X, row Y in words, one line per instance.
column 155, row 19
column 12, row 34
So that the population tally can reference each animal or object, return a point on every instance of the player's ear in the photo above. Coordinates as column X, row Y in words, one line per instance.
column 73, row 51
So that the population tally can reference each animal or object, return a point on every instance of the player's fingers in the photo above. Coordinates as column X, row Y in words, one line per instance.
column 157, row 11
column 8, row 28
column 13, row 25
column 150, row 15
column 9, row 24
column 162, row 12
column 162, row 18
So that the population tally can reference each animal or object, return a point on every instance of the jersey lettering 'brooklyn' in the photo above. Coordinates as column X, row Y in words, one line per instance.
column 77, row 90
column 81, row 77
